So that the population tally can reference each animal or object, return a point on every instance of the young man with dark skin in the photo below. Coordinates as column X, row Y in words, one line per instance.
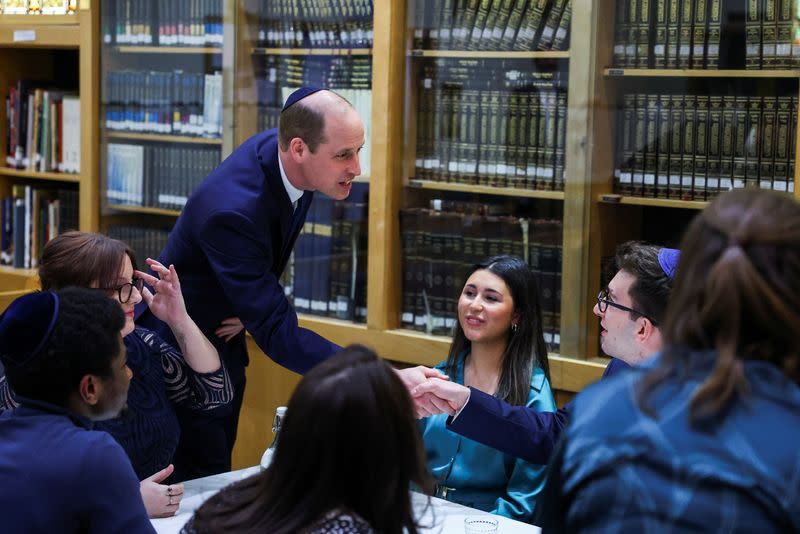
column 64, row 357
column 630, row 309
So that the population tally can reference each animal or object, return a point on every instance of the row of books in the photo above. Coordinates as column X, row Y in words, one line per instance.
column 507, row 138
column 691, row 147
column 175, row 102
column 691, row 34
column 154, row 22
column 315, row 24
column 38, row 7
column 275, row 73
column 492, row 24
column 145, row 242
column 671, row 34
column 31, row 217
column 156, row 175
column 327, row 275
column 440, row 246
column 43, row 129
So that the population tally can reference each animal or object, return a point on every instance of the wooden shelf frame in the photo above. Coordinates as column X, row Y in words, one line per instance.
column 652, row 202
column 491, row 54
column 40, row 31
column 698, row 73
column 486, row 189
column 136, row 49
column 311, row 51
column 144, row 210
column 35, row 175
column 162, row 138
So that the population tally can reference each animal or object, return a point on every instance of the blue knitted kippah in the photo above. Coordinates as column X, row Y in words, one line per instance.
column 299, row 95
column 668, row 259
column 26, row 326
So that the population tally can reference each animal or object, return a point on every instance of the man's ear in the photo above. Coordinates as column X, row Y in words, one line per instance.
column 646, row 328
column 297, row 149
column 90, row 389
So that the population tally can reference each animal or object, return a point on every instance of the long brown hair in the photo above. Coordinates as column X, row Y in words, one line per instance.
column 526, row 347
column 82, row 259
column 737, row 293
column 349, row 441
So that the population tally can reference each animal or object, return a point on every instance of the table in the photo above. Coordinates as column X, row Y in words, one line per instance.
column 442, row 517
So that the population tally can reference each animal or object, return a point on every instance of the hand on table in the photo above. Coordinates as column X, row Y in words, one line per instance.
column 161, row 500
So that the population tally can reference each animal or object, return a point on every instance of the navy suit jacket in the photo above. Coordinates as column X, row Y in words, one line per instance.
column 230, row 246
column 516, row 430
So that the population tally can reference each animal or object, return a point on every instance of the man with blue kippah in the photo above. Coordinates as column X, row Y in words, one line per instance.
column 64, row 357
column 232, row 242
column 631, row 309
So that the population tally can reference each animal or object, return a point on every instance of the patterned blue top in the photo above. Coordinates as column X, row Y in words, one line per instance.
column 482, row 477
column 162, row 380
column 622, row 471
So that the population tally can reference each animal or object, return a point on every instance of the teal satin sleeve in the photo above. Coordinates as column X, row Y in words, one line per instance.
column 527, row 479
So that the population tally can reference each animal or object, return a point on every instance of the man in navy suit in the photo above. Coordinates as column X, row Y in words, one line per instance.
column 232, row 242
column 630, row 309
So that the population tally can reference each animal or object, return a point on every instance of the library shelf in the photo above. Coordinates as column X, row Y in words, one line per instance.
column 145, row 210
column 311, row 51
column 699, row 73
column 486, row 190
column 653, row 202
column 43, row 31
column 165, row 138
column 168, row 49
column 36, row 175
column 492, row 54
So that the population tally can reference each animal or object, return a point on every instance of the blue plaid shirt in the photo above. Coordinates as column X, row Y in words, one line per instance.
column 620, row 470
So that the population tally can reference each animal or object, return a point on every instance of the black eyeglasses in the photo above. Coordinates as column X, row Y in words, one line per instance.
column 603, row 302
column 126, row 290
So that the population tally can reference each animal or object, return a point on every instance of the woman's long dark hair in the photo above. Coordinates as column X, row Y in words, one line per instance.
column 349, row 441
column 526, row 347
column 737, row 293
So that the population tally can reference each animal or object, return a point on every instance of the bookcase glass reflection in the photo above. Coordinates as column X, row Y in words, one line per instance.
column 162, row 111
column 283, row 46
column 486, row 136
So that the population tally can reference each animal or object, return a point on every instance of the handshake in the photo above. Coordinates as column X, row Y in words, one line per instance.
column 432, row 391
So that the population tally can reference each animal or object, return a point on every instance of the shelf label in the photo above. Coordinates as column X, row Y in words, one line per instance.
column 21, row 36
column 616, row 72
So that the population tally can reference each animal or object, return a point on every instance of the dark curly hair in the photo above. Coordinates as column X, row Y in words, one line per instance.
column 85, row 340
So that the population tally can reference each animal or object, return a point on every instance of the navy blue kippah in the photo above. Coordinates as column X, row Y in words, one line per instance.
column 26, row 326
column 299, row 95
column 668, row 259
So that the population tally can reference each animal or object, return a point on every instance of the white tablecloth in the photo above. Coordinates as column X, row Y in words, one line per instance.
column 441, row 517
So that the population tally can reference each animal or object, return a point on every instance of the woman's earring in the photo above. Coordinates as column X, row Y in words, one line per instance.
column 514, row 327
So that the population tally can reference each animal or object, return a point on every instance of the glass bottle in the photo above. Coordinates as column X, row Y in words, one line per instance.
column 276, row 428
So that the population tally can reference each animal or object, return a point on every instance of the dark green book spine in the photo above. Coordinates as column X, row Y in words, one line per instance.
column 783, row 136
column 727, row 142
column 676, row 145
column 621, row 27
column 740, row 143
column 651, row 140
column 700, row 149
column 662, row 148
column 699, row 34
column 714, row 33
column 685, row 39
column 783, row 35
column 640, row 144
column 753, row 141
column 769, row 27
column 752, row 30
column 624, row 180
column 714, row 145
column 689, row 132
column 660, row 31
column 768, row 130
column 673, row 33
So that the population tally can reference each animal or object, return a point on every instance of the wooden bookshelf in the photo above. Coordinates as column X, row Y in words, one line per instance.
column 491, row 54
column 486, row 190
column 143, row 210
column 45, row 47
column 699, row 73
column 204, row 50
column 163, row 138
column 35, row 175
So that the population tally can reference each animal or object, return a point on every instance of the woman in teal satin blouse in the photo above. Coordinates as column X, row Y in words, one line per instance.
column 497, row 347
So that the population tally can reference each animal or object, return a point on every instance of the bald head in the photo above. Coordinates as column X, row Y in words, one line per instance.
column 306, row 119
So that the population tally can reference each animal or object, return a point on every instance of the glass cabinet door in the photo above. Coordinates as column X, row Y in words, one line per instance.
column 485, row 135
column 162, row 112
column 283, row 46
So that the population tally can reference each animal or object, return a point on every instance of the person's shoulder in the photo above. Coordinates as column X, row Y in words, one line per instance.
column 340, row 522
